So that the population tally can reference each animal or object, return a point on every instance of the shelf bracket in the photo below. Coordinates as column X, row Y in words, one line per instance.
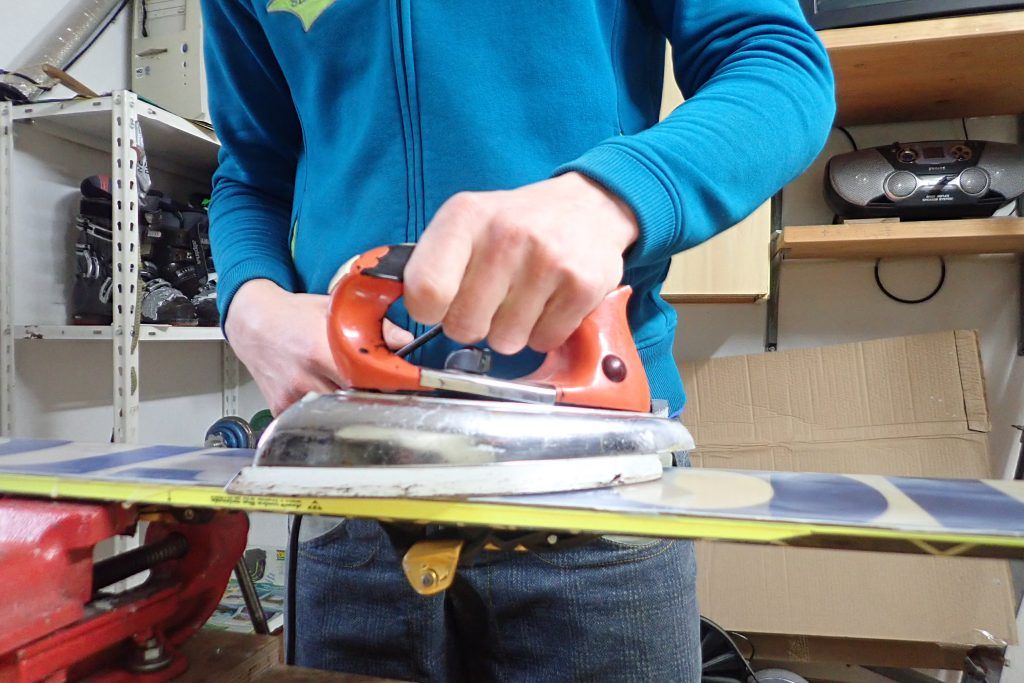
column 1020, row 260
column 6, row 275
column 1020, row 304
column 125, row 190
column 771, row 325
column 229, row 379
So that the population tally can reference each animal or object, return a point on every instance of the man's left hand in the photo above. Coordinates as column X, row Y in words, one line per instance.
column 519, row 267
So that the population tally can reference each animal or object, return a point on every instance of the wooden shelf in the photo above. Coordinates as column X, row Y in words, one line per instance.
column 924, row 238
column 932, row 69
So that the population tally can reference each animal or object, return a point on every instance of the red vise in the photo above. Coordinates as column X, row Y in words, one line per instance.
column 56, row 625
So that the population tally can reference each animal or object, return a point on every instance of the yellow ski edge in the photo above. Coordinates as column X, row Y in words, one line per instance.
column 495, row 515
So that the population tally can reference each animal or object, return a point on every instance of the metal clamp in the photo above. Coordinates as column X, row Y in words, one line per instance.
column 430, row 565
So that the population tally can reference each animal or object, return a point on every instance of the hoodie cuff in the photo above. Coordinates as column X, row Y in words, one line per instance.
column 230, row 281
column 647, row 192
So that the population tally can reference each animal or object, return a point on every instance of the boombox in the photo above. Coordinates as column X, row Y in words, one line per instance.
column 925, row 180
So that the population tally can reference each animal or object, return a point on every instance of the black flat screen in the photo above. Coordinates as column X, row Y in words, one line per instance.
column 840, row 13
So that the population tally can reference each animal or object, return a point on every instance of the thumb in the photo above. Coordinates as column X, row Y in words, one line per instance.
column 395, row 337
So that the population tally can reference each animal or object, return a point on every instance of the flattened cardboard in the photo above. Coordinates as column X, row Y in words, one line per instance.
column 910, row 406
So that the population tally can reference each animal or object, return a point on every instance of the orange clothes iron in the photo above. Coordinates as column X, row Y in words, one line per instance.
column 597, row 367
column 582, row 420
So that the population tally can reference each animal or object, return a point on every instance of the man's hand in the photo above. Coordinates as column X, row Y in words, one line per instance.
column 519, row 267
column 282, row 339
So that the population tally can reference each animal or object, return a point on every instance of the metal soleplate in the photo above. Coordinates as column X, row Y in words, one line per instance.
column 356, row 429
column 448, row 481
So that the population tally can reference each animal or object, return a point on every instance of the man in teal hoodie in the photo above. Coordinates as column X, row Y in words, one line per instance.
column 518, row 144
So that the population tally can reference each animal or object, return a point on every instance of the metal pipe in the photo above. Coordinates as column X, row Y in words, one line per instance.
column 252, row 599
column 120, row 567
column 63, row 39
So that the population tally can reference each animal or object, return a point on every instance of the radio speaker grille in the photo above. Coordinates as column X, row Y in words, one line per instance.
column 900, row 184
column 973, row 181
column 857, row 177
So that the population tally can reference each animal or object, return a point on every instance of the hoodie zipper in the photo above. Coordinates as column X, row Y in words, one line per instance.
column 409, row 107
column 405, row 75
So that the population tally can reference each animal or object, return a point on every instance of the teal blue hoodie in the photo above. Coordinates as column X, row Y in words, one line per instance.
column 345, row 124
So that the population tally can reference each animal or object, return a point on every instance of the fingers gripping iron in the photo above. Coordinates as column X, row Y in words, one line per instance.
column 597, row 367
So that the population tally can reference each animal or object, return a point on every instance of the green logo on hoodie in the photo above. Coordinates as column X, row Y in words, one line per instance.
column 308, row 11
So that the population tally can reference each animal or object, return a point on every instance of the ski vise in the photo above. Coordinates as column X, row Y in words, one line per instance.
column 58, row 621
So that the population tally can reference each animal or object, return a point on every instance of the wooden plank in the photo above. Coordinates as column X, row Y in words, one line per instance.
column 933, row 69
column 293, row 674
column 923, row 238
column 865, row 652
column 732, row 267
column 228, row 657
column 713, row 298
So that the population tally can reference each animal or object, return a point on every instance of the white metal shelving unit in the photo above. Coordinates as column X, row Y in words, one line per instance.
column 107, row 124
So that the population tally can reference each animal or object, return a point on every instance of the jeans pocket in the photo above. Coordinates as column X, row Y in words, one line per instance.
column 606, row 552
column 630, row 541
column 348, row 543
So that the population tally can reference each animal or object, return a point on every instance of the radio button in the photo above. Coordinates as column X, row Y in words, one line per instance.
column 907, row 155
column 961, row 152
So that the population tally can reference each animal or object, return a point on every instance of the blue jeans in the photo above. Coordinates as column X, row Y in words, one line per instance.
column 611, row 610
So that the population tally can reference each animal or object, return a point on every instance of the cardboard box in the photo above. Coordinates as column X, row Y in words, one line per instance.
column 907, row 406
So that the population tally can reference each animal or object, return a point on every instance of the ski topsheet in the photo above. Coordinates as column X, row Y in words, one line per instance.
column 862, row 512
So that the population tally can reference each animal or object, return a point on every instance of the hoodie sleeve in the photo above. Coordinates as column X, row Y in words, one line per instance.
column 261, row 139
column 759, row 103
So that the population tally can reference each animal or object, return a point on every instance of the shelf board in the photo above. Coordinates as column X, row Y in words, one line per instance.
column 104, row 332
column 931, row 69
column 172, row 143
column 738, row 298
column 923, row 238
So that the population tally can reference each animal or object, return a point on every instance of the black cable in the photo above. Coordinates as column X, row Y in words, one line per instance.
column 96, row 37
column 930, row 295
column 64, row 99
column 145, row 19
column 963, row 122
column 289, row 612
column 878, row 278
column 853, row 143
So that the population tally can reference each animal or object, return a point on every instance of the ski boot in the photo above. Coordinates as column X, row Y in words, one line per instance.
column 92, row 292
column 183, row 253
column 162, row 304
column 91, row 296
column 205, row 303
column 205, row 300
column 177, row 250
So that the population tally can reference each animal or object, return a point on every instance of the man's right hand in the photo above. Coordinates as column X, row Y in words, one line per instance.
column 282, row 339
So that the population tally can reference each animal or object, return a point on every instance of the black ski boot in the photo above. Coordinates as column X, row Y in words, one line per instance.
column 206, row 300
column 205, row 303
column 183, row 254
column 91, row 296
column 92, row 293
column 162, row 304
